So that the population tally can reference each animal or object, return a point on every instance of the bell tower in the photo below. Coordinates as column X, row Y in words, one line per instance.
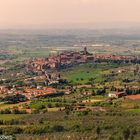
column 85, row 50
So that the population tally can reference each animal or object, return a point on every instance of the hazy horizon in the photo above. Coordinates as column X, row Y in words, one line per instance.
column 69, row 14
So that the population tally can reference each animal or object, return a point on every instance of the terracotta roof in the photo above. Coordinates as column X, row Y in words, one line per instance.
column 46, row 91
column 119, row 93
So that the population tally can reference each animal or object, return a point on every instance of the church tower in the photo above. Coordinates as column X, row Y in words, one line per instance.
column 85, row 50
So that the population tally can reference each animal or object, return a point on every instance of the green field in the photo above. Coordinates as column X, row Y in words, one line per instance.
column 83, row 125
column 83, row 73
column 11, row 116
column 134, row 110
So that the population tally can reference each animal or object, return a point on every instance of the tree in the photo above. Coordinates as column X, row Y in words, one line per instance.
column 68, row 109
column 133, row 133
column 126, row 133
column 6, row 111
column 49, row 105
column 58, row 128
column 81, row 90
column 13, row 99
column 98, row 131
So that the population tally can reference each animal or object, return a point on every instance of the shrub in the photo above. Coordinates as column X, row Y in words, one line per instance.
column 126, row 133
column 57, row 128
column 11, row 130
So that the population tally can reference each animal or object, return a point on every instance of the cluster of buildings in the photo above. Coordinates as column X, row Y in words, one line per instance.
column 31, row 93
column 69, row 58
column 46, row 79
column 45, row 72
column 63, row 60
column 3, row 90
column 114, row 57
column 46, row 69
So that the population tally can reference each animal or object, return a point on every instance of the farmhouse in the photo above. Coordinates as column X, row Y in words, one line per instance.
column 115, row 94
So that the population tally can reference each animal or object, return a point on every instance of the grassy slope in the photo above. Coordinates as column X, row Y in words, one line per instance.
column 82, row 73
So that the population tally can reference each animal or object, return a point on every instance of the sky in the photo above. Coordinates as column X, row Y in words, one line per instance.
column 68, row 13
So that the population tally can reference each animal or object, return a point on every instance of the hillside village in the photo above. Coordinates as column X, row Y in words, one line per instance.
column 44, row 73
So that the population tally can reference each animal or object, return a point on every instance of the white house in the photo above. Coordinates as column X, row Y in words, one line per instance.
column 115, row 94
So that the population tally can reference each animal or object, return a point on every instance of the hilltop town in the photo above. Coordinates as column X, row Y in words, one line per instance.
column 41, row 76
